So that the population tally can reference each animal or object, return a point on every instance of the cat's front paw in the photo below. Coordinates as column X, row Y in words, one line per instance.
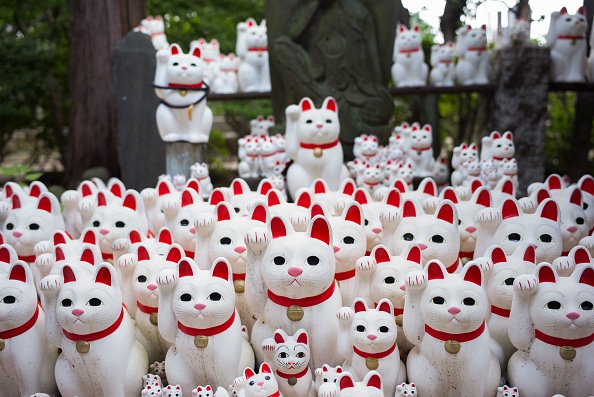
column 166, row 277
column 293, row 112
column 525, row 283
column 256, row 237
column 51, row 283
column 430, row 205
column 528, row 204
column 564, row 265
column 328, row 390
column 162, row 56
column 483, row 262
column 44, row 263
column 365, row 263
column 149, row 196
column 298, row 219
column 489, row 215
column 268, row 345
column 238, row 382
column 43, row 247
column 415, row 280
column 204, row 224
column 344, row 314
column 588, row 242
column 70, row 198
column 86, row 207
column 121, row 245
column 390, row 218
column 127, row 261
column 170, row 208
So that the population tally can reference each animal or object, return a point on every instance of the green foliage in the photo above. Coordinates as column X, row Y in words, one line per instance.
column 19, row 173
column 561, row 112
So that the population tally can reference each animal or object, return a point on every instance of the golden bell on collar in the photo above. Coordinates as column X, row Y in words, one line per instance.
column 452, row 346
column 318, row 152
column 399, row 320
column 154, row 318
column 239, row 286
column 2, row 344
column 371, row 363
column 295, row 312
column 201, row 341
column 567, row 352
column 83, row 347
column 183, row 92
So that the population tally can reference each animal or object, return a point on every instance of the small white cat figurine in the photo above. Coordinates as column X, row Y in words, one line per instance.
column 567, row 40
column 252, row 47
column 406, row 390
column 226, row 81
column 421, row 151
column 201, row 173
column 409, row 67
column 473, row 56
column 182, row 114
column 156, row 27
column 370, row 386
column 327, row 378
column 506, row 391
column 262, row 384
column 497, row 146
column 442, row 62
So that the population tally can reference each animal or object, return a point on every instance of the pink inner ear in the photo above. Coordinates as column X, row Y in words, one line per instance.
column 143, row 254
column 331, row 105
column 130, row 202
column 35, row 191
column 196, row 52
column 134, row 237
column 302, row 338
column 265, row 187
column 216, row 197
column 116, row 189
column 248, row 373
column 498, row 256
column 474, row 275
column 587, row 277
column 320, row 230
column 223, row 213
column 59, row 254
column 16, row 202
column 278, row 338
column 304, row 200
column 103, row 276
column 101, row 201
column 375, row 381
column 163, row 188
column 87, row 256
column 414, row 255
column 306, row 105
column 450, row 194
column 174, row 255
column 277, row 227
column 273, row 199
column 45, row 204
column 384, row 307
column 509, row 209
column 546, row 275
column 18, row 273
column 221, row 270
column 576, row 197
column 165, row 237
column 409, row 210
column 360, row 197
column 434, row 271
column 319, row 187
column 399, row 185
column 484, row 198
column 68, row 274
column 349, row 188
column 581, row 256
column 186, row 199
column 265, row 368
column 359, row 306
column 381, row 255
column 259, row 214
column 346, row 382
column 550, row 211
column 446, row 213
column 185, row 269
column 316, row 209
column 394, row 198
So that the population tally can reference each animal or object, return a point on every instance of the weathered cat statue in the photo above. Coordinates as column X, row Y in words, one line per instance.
column 409, row 67
column 567, row 40
column 473, row 56
column 252, row 48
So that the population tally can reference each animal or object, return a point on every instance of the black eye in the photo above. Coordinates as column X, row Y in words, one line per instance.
column 283, row 355
column 215, row 296
column 175, row 63
column 328, row 121
column 141, row 279
column 225, row 241
column 580, row 221
column 335, row 380
column 34, row 226
column 438, row 300
column 96, row 223
column 366, row 222
column 94, row 302
column 360, row 328
column 325, row 379
column 509, row 281
column 469, row 302
column 120, row 224
column 9, row 226
column 586, row 305
column 459, row 222
column 193, row 64
column 554, row 305
column 236, row 209
column 300, row 355
column 545, row 238
column 9, row 299
column 384, row 329
column 251, row 383
column 514, row 237
column 389, row 280
column 408, row 237
column 309, row 121
column 348, row 240
column 313, row 260
column 585, row 206
column 437, row 239
column 185, row 297
column 499, row 145
column 267, row 377
column 66, row 303
column 184, row 222
column 279, row 260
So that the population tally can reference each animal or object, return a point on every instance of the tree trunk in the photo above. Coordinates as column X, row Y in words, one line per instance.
column 95, row 28
column 450, row 21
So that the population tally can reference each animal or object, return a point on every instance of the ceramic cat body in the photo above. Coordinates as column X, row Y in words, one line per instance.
column 183, row 114
column 442, row 62
column 567, row 40
column 206, row 391
column 85, row 318
column 226, row 81
column 441, row 172
column 497, row 146
column 156, row 27
column 473, row 56
column 153, row 202
column 442, row 307
column 327, row 380
column 370, row 386
column 462, row 153
column 200, row 172
column 373, row 176
column 406, row 390
column 313, row 144
column 549, row 312
column 262, row 384
column 72, row 200
column 409, row 67
column 509, row 168
column 421, row 151
column 210, row 52
column 252, row 47
column 506, row 391
column 27, row 359
column 366, row 148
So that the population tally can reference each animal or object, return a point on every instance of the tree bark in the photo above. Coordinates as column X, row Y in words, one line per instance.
column 450, row 21
column 95, row 28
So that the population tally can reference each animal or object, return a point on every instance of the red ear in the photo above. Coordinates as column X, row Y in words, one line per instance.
column 484, row 27
column 302, row 338
column 220, row 269
column 165, row 237
column 186, row 198
column 475, row 184
column 237, row 187
column 248, row 373
column 259, row 213
column 278, row 338
column 408, row 209
column 116, row 189
column 143, row 254
column 450, row 194
column 394, row 198
column 175, row 49
column 346, row 382
column 101, row 200
column 550, row 211
column 546, row 275
column 134, row 236
column 582, row 11
column 510, row 209
column 354, row 215
column 4, row 255
column 68, row 274
column 185, row 269
column 277, row 227
column 414, row 255
column 265, row 187
column 18, row 273
column 208, row 388
column 576, row 197
column 320, row 230
column 265, row 368
column 349, row 187
column 319, row 186
column 416, row 28
column 339, row 370
column 530, row 254
column 306, row 104
column 35, row 191
column 385, row 307
column 587, row 277
column 446, row 213
column 223, row 213
column 103, row 276
column 495, row 135
column 59, row 238
column 563, row 10
column 400, row 186
column 586, row 184
column 434, row 271
column 194, row 185
column 89, row 237
column 498, row 256
column 375, row 380
column 304, row 200
column 316, row 209
column 331, row 104
column 508, row 187
column 163, row 188
column 59, row 254
column 484, row 198
column 359, row 306
column 554, row 182
column 473, row 274
column 196, row 52
column 581, row 256
column 16, row 202
column 130, row 202
column 273, row 198
column 87, row 256
column 360, row 197
column 401, row 29
column 381, row 254
column 216, row 197
column 174, row 254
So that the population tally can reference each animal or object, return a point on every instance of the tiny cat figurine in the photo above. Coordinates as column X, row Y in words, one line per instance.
column 473, row 56
column 86, row 319
column 449, row 352
column 421, row 151
column 158, row 368
column 293, row 288
column 151, row 391
column 567, row 40
column 172, row 391
column 373, row 176
column 441, row 172
column 249, row 155
column 226, row 81
column 211, row 53
column 409, row 67
column 370, row 386
column 156, row 28
column 197, row 314
column 497, row 146
column 327, row 379
column 368, row 337
column 506, row 391
column 252, row 47
column 313, row 143
column 297, row 213
column 289, row 356
column 366, row 148
column 462, row 153
column 551, row 325
column 406, row 390
column 442, row 63
column 262, row 384
column 509, row 168
column 206, row 391
column 27, row 358
column 200, row 172
column 182, row 114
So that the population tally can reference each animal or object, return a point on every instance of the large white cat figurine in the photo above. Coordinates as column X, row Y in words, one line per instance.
column 409, row 67
column 252, row 47
column 473, row 56
column 442, row 62
column 567, row 40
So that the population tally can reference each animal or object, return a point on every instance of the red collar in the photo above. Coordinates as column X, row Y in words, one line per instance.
column 421, row 149
column 506, row 174
column 106, row 256
column 444, row 336
column 27, row 258
column 371, row 183
column 552, row 340
column 157, row 34
column 303, row 302
column 453, row 267
column 147, row 309
column 446, row 61
column 203, row 178
column 375, row 355
column 500, row 311
column 262, row 49
column 238, row 276
column 225, row 70
column 341, row 276
column 322, row 146
column 479, row 49
column 497, row 158
column 208, row 60
column 277, row 394
column 566, row 253
column 182, row 86
column 466, row 254
column 11, row 333
column 253, row 156
column 297, row 375
column 189, row 254
column 409, row 51
column 268, row 155
column 369, row 155
column 207, row 331
column 95, row 335
column 569, row 37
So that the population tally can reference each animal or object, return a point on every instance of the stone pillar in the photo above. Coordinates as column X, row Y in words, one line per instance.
column 140, row 148
column 181, row 155
column 520, row 106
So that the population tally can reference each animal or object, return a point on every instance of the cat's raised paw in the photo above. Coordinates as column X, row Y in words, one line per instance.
column 166, row 277
column 526, row 283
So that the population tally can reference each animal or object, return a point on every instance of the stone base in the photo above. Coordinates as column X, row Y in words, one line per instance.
column 181, row 155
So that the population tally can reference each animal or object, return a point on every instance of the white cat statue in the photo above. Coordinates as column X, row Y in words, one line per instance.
column 421, row 151
column 368, row 338
column 366, row 148
column 406, row 390
column 370, row 386
column 172, row 391
column 182, row 114
column 552, row 325
column 226, row 81
column 211, row 53
column 249, row 156
column 293, row 288
column 297, row 213
column 406, row 173
column 462, row 153
column 335, row 200
column 509, row 168
column 71, row 201
column 262, row 384
column 8, row 257
column 327, row 379
column 153, row 202
column 473, row 56
column 27, row 358
column 497, row 146
column 441, row 172
column 289, row 355
column 197, row 314
column 200, row 172
column 507, row 391
column 446, row 316
column 313, row 143
column 86, row 319
column 207, row 391
column 567, row 40
column 252, row 47
column 409, row 67
column 156, row 28
column 373, row 177
column 442, row 63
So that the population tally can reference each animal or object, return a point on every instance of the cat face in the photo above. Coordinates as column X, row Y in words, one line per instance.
column 407, row 39
column 292, row 353
column 203, row 298
column 369, row 144
column 328, row 374
column 210, row 50
column 318, row 125
column 476, row 38
column 503, row 146
column 199, row 171
column 202, row 391
column 184, row 68
column 256, row 35
column 180, row 218
column 172, row 391
column 405, row 171
column 262, row 384
column 348, row 237
column 373, row 330
column 149, row 264
column 421, row 138
column 18, row 297
column 372, row 211
column 406, row 390
column 373, row 174
column 443, row 52
column 574, row 225
column 567, row 24
column 370, row 386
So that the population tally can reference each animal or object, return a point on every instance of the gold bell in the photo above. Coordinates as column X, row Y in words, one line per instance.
column 295, row 312
column 399, row 320
column 567, row 352
column 201, row 341
column 292, row 381
column 183, row 92
column 371, row 363
column 239, row 286
column 83, row 347
column 2, row 344
column 452, row 346
column 318, row 152
column 154, row 318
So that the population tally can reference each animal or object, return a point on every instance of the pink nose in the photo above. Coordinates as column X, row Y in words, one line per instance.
column 571, row 229
column 319, row 126
column 422, row 246
column 193, row 230
column 199, row 306
column 104, row 231
column 184, row 67
column 17, row 234
column 371, row 337
column 470, row 229
column 336, row 248
column 376, row 230
column 454, row 310
column 240, row 249
column 403, row 287
column 572, row 315
column 295, row 271
column 261, row 383
column 152, row 287
column 77, row 312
